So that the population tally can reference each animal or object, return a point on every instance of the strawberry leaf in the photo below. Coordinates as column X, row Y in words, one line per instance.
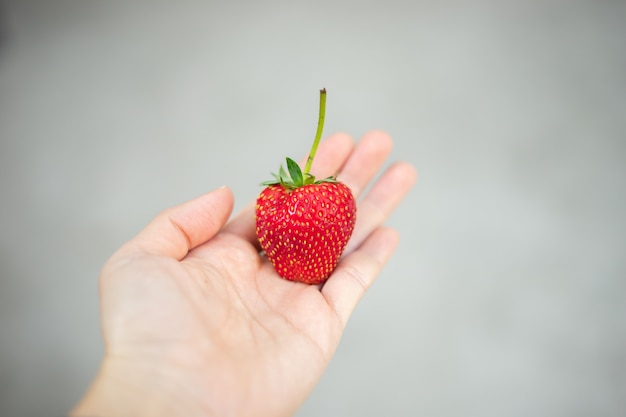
column 282, row 175
column 295, row 172
column 270, row 182
column 331, row 179
column 310, row 178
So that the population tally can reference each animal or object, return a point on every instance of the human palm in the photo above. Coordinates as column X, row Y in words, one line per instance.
column 196, row 320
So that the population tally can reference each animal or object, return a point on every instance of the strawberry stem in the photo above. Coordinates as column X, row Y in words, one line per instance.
column 318, row 134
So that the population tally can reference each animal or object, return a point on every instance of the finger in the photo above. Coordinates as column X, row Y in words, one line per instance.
column 378, row 204
column 366, row 160
column 356, row 273
column 177, row 230
column 331, row 155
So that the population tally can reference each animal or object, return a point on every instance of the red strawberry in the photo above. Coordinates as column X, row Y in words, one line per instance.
column 304, row 224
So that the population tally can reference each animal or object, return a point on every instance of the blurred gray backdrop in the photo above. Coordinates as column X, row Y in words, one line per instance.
column 507, row 296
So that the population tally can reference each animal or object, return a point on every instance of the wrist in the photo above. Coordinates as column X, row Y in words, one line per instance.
column 124, row 388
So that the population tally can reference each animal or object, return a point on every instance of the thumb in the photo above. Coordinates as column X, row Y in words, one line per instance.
column 177, row 230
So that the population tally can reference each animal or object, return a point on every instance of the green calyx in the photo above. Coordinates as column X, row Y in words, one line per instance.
column 295, row 177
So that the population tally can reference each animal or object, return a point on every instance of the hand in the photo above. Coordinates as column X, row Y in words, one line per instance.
column 197, row 323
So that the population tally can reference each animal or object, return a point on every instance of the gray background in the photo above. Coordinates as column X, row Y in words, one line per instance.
column 507, row 296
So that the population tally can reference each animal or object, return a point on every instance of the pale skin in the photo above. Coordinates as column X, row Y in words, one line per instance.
column 197, row 323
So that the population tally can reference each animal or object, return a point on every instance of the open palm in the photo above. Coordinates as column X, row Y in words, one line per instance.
column 199, row 323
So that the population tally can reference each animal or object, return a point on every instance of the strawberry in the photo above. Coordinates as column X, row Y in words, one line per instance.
column 304, row 224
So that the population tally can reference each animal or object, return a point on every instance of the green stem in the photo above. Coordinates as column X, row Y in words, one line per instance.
column 318, row 134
